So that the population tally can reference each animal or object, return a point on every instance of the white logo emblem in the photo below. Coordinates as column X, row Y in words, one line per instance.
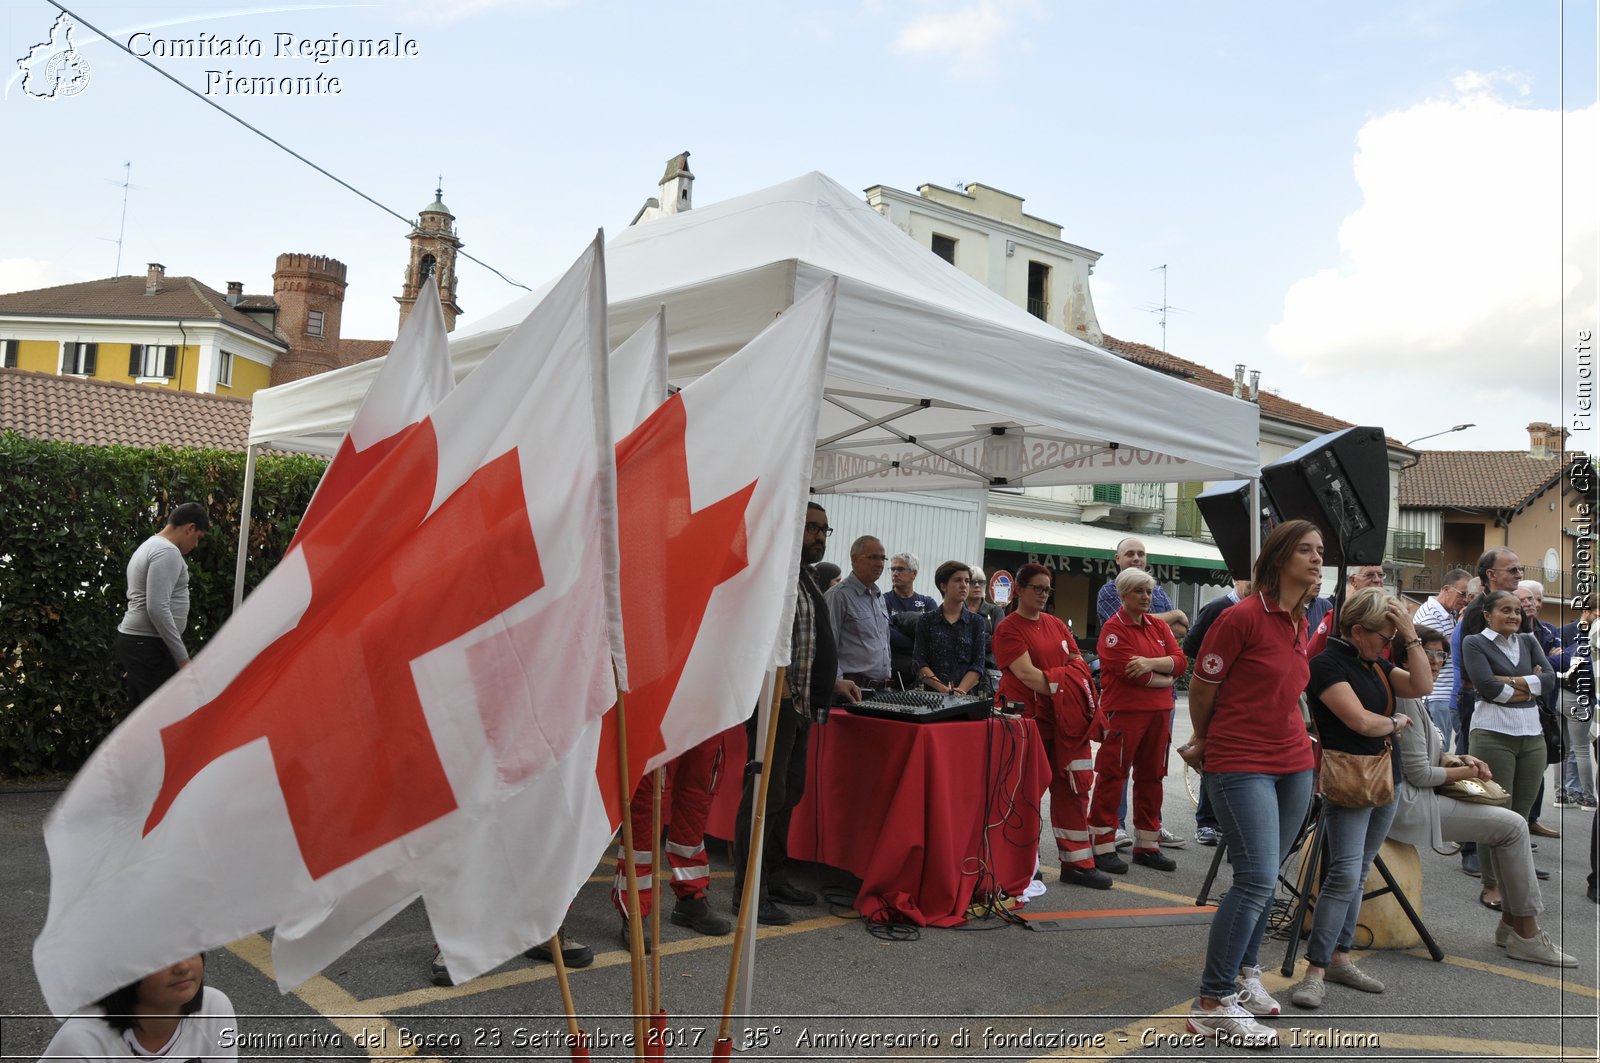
column 54, row 67
column 1211, row 664
column 1111, row 639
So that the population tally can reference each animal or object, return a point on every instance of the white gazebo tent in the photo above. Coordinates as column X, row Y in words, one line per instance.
column 934, row 382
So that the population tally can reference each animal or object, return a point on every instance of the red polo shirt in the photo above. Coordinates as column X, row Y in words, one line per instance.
column 1121, row 640
column 1255, row 655
column 1048, row 643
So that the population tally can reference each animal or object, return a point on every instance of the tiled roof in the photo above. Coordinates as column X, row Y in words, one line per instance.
column 176, row 299
column 1477, row 479
column 353, row 351
column 257, row 302
column 1271, row 405
column 103, row 412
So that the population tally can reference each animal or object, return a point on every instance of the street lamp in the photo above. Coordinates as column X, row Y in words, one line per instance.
column 1447, row 431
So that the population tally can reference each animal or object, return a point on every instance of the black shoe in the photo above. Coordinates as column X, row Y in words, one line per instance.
column 1593, row 893
column 440, row 974
column 696, row 914
column 627, row 938
column 574, row 954
column 1469, row 865
column 788, row 893
column 1091, row 877
column 769, row 914
column 1541, row 875
column 1110, row 863
column 1157, row 859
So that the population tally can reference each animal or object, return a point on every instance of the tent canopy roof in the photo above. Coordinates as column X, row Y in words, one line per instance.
column 934, row 381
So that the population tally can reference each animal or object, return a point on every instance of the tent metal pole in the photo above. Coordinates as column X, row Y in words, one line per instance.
column 245, row 505
column 1255, row 520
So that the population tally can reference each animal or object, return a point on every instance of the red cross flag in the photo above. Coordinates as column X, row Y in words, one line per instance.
column 559, row 864
column 713, row 489
column 414, row 377
column 355, row 718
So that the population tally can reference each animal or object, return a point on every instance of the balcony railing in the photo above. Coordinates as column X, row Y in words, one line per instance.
column 1410, row 547
column 1039, row 309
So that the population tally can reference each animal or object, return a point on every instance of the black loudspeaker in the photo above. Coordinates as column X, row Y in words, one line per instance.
column 1339, row 482
column 1226, row 509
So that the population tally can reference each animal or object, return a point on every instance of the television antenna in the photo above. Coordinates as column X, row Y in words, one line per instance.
column 1164, row 307
column 122, row 226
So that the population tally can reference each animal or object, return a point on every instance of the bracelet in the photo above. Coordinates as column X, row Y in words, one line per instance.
column 1413, row 642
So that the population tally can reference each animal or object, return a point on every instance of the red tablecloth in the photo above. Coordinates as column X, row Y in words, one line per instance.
column 902, row 807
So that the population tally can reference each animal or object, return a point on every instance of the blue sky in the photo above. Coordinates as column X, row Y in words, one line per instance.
column 1361, row 200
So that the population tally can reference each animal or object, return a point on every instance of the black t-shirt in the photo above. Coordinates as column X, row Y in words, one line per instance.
column 1340, row 663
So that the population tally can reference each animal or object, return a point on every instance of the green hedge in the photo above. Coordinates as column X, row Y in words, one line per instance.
column 70, row 516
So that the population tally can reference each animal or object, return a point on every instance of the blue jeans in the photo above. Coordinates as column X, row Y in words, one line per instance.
column 1352, row 837
column 1445, row 718
column 1259, row 816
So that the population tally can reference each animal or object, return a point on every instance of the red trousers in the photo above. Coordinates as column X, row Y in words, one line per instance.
column 1071, row 777
column 689, row 782
column 1136, row 741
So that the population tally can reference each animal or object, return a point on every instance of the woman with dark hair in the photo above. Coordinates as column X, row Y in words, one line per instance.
column 1032, row 646
column 171, row 1014
column 1252, row 744
column 827, row 574
column 1352, row 694
column 1426, row 817
column 1509, row 674
column 951, row 641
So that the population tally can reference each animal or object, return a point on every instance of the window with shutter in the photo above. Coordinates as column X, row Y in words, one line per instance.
column 136, row 359
column 9, row 348
column 169, row 364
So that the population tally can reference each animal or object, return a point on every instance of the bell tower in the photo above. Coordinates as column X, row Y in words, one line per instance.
column 433, row 253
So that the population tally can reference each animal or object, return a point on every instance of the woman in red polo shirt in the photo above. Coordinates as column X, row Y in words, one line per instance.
column 1028, row 643
column 1249, row 735
column 1138, row 658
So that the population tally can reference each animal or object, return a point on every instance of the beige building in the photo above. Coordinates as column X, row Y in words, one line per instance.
column 1540, row 502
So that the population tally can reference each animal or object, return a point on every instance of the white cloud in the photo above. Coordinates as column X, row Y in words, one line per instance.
column 1462, row 252
column 26, row 274
column 970, row 33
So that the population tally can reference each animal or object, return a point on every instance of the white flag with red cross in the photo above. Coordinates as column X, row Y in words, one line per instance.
column 311, row 750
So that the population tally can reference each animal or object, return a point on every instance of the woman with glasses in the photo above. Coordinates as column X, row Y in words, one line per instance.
column 1425, row 817
column 1032, row 648
column 1138, row 659
column 1352, row 693
column 1252, row 744
column 1509, row 673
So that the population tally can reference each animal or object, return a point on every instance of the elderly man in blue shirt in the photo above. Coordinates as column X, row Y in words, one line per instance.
column 860, row 618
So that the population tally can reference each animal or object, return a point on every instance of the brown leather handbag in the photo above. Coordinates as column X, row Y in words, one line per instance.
column 1356, row 780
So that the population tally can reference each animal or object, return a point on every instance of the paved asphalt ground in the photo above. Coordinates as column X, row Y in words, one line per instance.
column 829, row 989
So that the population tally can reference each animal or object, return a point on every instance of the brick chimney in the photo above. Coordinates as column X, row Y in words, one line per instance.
column 235, row 292
column 1546, row 440
column 152, row 277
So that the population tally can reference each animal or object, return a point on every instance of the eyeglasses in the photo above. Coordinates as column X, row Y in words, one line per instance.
column 813, row 528
column 898, row 568
column 1437, row 655
column 1510, row 570
column 1037, row 588
column 876, row 557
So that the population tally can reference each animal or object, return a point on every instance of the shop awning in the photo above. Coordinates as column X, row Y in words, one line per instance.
column 1032, row 535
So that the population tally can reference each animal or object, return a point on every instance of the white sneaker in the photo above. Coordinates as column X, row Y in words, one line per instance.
column 1538, row 949
column 1169, row 840
column 1231, row 1024
column 1123, row 839
column 1253, row 996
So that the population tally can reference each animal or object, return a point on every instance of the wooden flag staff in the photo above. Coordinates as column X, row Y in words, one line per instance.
column 657, row 1048
column 723, row 1048
column 578, row 1041
column 635, row 930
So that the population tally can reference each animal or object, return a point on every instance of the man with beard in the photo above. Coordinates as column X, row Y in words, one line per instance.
column 810, row 683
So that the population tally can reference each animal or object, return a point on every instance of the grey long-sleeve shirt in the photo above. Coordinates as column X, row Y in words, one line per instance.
column 158, row 595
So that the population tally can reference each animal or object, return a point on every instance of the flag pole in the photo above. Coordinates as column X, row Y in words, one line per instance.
column 635, row 931
column 578, row 1042
column 723, row 1048
column 657, row 1048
